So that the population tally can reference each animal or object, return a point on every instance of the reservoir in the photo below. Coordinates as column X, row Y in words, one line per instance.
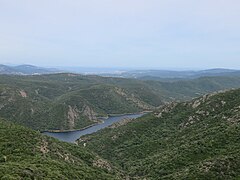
column 72, row 136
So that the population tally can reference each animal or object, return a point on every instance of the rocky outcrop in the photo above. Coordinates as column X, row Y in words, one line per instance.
column 73, row 114
column 44, row 147
column 235, row 118
column 37, row 91
column 89, row 113
column 102, row 164
column 197, row 102
column 133, row 99
column 23, row 93
column 190, row 121
column 165, row 109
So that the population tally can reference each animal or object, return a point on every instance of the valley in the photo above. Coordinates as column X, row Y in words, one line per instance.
column 72, row 101
column 187, row 140
column 191, row 129
column 26, row 154
column 73, row 136
column 119, row 90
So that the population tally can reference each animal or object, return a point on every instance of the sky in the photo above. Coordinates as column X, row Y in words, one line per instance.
column 161, row 34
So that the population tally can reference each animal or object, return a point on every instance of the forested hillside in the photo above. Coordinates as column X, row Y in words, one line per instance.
column 26, row 154
column 71, row 101
column 199, row 139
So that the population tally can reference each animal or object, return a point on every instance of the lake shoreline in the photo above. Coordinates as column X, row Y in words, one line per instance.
column 72, row 130
column 101, row 121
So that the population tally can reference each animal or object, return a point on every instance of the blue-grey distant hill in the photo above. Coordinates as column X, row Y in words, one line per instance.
column 166, row 74
column 162, row 75
column 26, row 70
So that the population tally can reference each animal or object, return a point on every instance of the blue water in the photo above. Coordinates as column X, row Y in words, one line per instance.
column 72, row 136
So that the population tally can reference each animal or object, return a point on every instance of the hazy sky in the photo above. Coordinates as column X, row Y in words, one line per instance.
column 121, row 33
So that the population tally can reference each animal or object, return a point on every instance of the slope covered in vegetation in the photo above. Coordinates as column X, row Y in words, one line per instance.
column 199, row 139
column 70, row 101
column 26, row 154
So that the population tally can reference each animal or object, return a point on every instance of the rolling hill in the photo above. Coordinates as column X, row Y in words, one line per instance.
column 26, row 70
column 168, row 74
column 26, row 154
column 67, row 101
column 72, row 101
column 198, row 139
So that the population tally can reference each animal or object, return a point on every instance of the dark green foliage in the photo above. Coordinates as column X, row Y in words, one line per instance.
column 50, row 98
column 26, row 154
column 199, row 139
column 194, row 140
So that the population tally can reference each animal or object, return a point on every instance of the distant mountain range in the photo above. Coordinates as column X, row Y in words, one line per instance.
column 26, row 70
column 168, row 74
column 123, row 73
column 198, row 139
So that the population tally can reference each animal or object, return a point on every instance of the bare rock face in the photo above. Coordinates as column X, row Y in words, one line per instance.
column 44, row 147
column 102, row 164
column 235, row 118
column 120, row 92
column 190, row 121
column 88, row 112
column 196, row 104
column 32, row 111
column 73, row 114
column 23, row 93
column 205, row 98
column 202, row 113
column 165, row 109
column 37, row 91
